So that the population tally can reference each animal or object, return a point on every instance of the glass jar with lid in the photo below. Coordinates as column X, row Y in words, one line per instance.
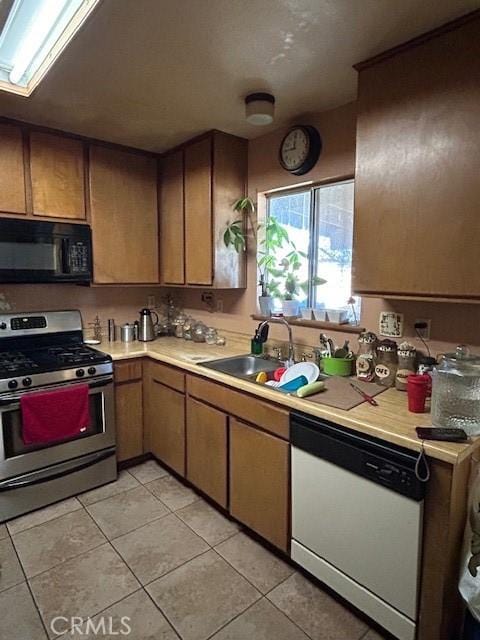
column 387, row 363
column 407, row 355
column 199, row 330
column 211, row 335
column 456, row 391
column 365, row 363
column 188, row 328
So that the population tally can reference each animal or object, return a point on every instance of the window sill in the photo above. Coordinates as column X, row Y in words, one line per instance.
column 313, row 324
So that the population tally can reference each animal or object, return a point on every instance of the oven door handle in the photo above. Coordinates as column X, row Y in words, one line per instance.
column 57, row 471
column 12, row 401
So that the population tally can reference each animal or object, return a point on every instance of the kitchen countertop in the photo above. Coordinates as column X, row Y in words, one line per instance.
column 391, row 421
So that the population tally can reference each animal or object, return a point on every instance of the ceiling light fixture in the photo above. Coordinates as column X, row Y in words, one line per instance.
column 259, row 108
column 34, row 35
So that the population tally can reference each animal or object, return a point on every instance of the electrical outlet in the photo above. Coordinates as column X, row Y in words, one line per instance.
column 219, row 305
column 208, row 299
column 151, row 302
column 423, row 331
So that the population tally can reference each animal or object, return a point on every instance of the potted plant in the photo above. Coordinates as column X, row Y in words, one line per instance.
column 287, row 284
column 277, row 278
column 275, row 236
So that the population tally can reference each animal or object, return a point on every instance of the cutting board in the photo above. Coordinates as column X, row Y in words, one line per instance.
column 339, row 394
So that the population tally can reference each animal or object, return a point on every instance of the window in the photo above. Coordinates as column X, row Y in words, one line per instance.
column 319, row 224
column 33, row 35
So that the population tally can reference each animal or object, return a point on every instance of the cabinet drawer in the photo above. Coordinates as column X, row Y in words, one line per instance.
column 166, row 375
column 128, row 370
column 260, row 413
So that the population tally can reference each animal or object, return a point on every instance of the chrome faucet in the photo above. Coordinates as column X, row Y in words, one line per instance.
column 291, row 348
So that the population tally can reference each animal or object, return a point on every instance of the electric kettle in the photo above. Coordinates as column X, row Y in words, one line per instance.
column 146, row 327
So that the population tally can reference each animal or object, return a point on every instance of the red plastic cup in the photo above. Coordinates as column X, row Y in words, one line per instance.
column 417, row 392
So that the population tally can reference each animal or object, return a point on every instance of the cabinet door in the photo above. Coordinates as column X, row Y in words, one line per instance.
column 123, row 202
column 207, row 450
column 198, row 212
column 172, row 240
column 12, row 170
column 417, row 188
column 58, row 176
column 129, row 419
column 165, row 424
column 259, row 482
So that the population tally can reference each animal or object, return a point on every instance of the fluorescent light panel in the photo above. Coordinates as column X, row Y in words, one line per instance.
column 34, row 35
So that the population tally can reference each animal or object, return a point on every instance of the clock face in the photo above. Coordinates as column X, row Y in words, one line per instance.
column 300, row 149
column 295, row 149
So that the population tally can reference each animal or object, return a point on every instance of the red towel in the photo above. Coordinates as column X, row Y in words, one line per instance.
column 48, row 416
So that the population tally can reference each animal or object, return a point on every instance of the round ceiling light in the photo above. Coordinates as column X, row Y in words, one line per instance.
column 259, row 108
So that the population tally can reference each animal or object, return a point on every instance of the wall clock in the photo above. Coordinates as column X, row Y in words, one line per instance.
column 300, row 149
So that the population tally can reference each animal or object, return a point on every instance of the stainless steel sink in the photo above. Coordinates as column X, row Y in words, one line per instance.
column 242, row 366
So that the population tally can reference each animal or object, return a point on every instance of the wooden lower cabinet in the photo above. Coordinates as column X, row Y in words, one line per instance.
column 129, row 409
column 129, row 419
column 207, row 439
column 259, row 482
column 165, row 424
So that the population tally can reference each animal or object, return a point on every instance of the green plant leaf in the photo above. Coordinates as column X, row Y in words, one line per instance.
column 239, row 243
column 227, row 237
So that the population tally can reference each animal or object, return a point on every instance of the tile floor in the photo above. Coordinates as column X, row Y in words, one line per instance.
column 149, row 549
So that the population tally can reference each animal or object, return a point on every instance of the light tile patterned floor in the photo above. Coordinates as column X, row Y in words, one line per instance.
column 150, row 549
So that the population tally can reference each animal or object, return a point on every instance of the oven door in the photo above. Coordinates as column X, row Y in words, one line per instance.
column 16, row 458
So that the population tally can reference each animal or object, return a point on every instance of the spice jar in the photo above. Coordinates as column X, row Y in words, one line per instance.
column 387, row 363
column 365, row 364
column 406, row 365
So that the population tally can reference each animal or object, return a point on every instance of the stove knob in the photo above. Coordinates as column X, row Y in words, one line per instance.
column 80, row 373
column 3, row 325
column 12, row 384
column 27, row 382
column 92, row 371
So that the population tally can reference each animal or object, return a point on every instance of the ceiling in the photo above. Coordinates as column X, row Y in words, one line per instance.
column 152, row 73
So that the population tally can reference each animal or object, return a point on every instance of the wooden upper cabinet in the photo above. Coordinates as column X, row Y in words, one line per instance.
column 172, row 240
column 58, row 176
column 417, row 187
column 12, row 170
column 123, row 205
column 198, row 212
column 229, row 184
column 215, row 174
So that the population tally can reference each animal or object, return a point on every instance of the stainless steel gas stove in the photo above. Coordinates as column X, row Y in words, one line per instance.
column 39, row 352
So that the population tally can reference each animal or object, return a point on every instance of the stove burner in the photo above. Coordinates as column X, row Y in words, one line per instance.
column 12, row 362
column 73, row 354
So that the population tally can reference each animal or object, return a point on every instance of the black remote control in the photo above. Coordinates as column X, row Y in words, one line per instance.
column 441, row 433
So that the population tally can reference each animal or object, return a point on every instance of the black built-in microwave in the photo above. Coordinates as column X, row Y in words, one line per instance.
column 35, row 251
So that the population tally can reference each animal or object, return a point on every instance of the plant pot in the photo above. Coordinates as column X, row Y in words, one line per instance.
column 320, row 315
column 306, row 313
column 290, row 308
column 265, row 303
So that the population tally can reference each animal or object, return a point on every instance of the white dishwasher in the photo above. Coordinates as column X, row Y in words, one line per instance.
column 357, row 511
